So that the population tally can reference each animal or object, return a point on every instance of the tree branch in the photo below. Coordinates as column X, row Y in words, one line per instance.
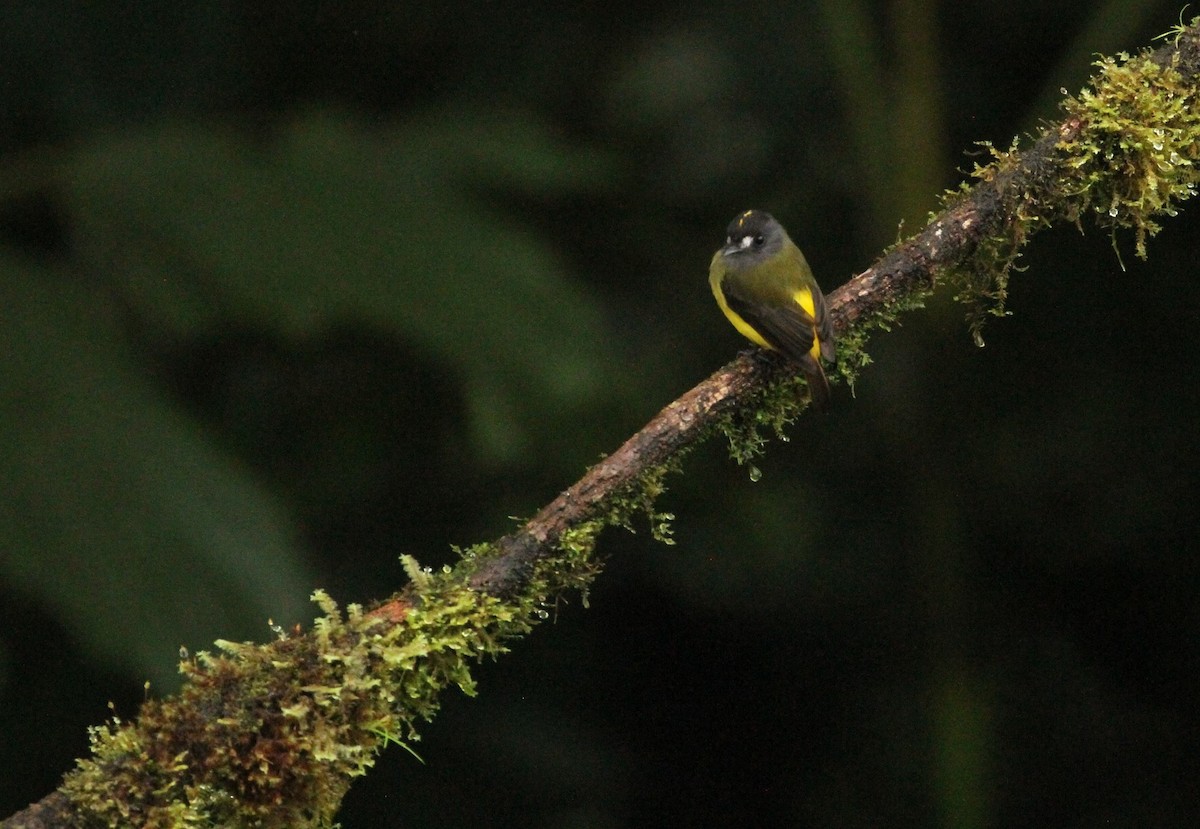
column 1022, row 194
column 272, row 734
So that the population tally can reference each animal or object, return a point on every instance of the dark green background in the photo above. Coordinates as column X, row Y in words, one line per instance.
column 285, row 293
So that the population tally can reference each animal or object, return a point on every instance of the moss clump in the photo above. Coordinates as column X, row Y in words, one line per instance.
column 642, row 497
column 1135, row 158
column 771, row 408
column 1125, row 154
column 271, row 735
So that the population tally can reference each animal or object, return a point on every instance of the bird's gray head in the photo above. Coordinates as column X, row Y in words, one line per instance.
column 751, row 238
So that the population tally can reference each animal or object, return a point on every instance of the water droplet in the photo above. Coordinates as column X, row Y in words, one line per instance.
column 1112, row 211
column 541, row 614
column 755, row 473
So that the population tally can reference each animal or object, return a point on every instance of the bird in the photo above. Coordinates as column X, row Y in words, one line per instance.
column 765, row 287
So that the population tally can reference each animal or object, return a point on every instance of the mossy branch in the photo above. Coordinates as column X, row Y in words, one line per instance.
column 272, row 735
column 1126, row 153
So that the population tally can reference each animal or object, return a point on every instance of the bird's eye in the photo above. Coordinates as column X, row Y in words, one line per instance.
column 758, row 240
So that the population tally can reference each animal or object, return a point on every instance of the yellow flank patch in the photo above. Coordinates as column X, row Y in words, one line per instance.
column 744, row 328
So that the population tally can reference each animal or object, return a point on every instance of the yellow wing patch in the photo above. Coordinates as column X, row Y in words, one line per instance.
column 804, row 298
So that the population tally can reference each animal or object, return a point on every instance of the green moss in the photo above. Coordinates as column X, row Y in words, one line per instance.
column 638, row 500
column 272, row 735
column 981, row 282
column 767, row 411
column 1135, row 158
column 1127, row 156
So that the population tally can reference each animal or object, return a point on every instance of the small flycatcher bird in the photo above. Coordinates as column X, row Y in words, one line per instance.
column 766, row 289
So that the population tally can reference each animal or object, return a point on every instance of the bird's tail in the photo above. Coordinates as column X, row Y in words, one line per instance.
column 818, row 384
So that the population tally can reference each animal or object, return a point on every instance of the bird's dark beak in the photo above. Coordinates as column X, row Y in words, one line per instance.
column 736, row 245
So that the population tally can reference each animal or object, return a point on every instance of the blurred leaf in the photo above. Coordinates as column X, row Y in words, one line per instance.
column 332, row 223
column 116, row 510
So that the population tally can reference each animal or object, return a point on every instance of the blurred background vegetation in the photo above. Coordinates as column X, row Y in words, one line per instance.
column 289, row 289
